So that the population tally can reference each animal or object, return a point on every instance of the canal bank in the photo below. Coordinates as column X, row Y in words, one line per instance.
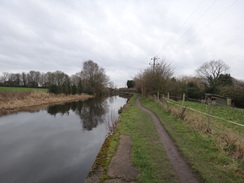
column 149, row 156
column 33, row 100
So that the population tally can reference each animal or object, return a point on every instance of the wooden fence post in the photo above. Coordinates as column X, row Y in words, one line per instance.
column 209, row 128
column 182, row 112
column 183, row 99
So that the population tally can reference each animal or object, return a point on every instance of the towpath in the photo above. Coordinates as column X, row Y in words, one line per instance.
column 181, row 167
column 121, row 169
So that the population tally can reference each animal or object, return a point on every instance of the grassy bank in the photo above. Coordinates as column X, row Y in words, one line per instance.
column 148, row 155
column 201, row 149
column 31, row 100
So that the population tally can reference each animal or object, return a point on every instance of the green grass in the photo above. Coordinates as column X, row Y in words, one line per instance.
column 148, row 154
column 225, row 113
column 200, row 149
column 232, row 114
column 12, row 89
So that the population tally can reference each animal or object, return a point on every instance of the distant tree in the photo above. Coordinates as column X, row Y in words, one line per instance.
column 18, row 79
column 24, row 78
column 60, row 77
column 66, row 88
column 193, row 91
column 54, row 89
column 176, row 87
column 155, row 80
column 75, row 79
column 94, row 78
column 235, row 93
column 33, row 78
column 111, row 85
column 130, row 84
column 73, row 89
column 211, row 73
column 225, row 80
column 79, row 89
column 4, row 77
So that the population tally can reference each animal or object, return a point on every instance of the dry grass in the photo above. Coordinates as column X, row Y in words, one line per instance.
column 228, row 139
column 23, row 100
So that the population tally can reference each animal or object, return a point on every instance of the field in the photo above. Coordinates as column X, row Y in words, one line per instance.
column 6, row 89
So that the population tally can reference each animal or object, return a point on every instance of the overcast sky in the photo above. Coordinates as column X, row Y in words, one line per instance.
column 120, row 35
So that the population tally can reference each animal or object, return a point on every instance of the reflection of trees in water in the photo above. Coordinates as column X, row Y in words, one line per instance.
column 111, row 99
column 91, row 112
column 64, row 108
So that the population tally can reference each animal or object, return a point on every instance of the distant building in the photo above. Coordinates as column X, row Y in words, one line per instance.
column 217, row 99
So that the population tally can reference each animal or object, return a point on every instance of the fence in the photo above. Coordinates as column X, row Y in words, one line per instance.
column 229, row 133
column 185, row 98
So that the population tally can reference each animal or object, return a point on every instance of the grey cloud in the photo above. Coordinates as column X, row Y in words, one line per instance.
column 121, row 36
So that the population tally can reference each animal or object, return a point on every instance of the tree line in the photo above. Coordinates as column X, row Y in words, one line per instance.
column 92, row 79
column 211, row 77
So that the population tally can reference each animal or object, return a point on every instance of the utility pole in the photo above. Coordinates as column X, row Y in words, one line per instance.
column 154, row 59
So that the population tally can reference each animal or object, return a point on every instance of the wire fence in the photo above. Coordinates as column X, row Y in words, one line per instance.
column 207, row 114
column 217, row 111
column 202, row 117
column 203, row 101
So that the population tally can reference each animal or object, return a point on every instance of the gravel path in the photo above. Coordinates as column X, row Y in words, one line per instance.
column 182, row 169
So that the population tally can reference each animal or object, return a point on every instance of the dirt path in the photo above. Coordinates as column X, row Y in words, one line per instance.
column 121, row 168
column 182, row 169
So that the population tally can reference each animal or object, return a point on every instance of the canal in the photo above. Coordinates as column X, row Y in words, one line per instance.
column 55, row 144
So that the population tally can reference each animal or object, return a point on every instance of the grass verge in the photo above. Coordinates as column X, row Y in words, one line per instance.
column 148, row 154
column 200, row 149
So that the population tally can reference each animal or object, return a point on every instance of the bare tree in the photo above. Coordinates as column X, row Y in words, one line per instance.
column 94, row 78
column 155, row 80
column 24, row 79
column 33, row 78
column 60, row 77
column 211, row 72
column 75, row 79
column 5, row 77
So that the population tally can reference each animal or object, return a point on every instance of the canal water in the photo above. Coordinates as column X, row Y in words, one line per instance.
column 56, row 144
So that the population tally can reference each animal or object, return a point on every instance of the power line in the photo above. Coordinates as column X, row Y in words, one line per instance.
column 213, row 20
column 208, row 8
column 184, row 23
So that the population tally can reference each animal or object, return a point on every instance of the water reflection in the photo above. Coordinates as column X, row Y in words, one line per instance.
column 49, row 145
column 91, row 112
column 65, row 108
